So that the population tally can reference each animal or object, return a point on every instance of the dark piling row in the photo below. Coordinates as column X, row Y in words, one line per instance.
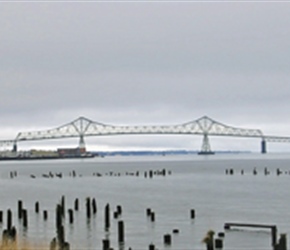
column 254, row 171
column 73, row 174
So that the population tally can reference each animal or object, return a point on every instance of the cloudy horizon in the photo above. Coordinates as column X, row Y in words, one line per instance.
column 140, row 63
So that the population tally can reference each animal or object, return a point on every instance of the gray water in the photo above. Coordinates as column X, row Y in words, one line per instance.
column 195, row 182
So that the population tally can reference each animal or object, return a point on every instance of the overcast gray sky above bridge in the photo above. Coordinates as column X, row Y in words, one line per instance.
column 145, row 63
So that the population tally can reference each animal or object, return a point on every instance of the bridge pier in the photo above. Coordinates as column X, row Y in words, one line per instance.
column 263, row 146
column 82, row 145
column 205, row 148
column 14, row 147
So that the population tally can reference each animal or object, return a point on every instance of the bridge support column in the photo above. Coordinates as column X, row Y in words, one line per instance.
column 205, row 148
column 263, row 146
column 14, row 147
column 82, row 145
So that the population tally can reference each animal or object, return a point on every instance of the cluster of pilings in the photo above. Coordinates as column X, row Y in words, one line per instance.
column 254, row 171
column 63, row 214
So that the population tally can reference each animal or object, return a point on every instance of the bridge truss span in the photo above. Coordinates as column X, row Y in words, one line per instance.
column 83, row 127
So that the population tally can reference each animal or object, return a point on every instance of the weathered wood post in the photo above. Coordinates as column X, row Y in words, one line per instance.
column 45, row 215
column 71, row 216
column 88, row 206
column 37, row 207
column 63, row 206
column 119, row 209
column 192, row 213
column 58, row 216
column 9, row 219
column 106, row 244
column 282, row 244
column 24, row 217
column 218, row 243
column 167, row 239
column 94, row 205
column 121, row 232
column 152, row 216
column 19, row 209
column 274, row 235
column 107, row 216
column 60, row 236
column 76, row 204
column 151, row 247
column 1, row 216
column 148, row 212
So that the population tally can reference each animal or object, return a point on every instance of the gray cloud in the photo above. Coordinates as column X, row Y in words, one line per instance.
column 144, row 63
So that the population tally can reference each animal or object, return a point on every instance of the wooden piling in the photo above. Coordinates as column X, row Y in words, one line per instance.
column 167, row 239
column 76, row 204
column 282, row 243
column 192, row 213
column 71, row 216
column 148, row 211
column 119, row 209
column 218, row 244
column 1, row 216
column 106, row 244
column 45, row 215
column 60, row 235
column 58, row 216
column 63, row 206
column 107, row 216
column 37, row 207
column 152, row 216
column 9, row 219
column 116, row 215
column 94, row 205
column 24, row 218
column 88, row 207
column 274, row 235
column 151, row 247
column 19, row 209
column 12, row 233
column 121, row 231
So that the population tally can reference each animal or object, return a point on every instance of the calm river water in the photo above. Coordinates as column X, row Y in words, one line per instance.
column 195, row 182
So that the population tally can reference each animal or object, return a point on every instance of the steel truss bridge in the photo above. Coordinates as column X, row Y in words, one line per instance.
column 203, row 126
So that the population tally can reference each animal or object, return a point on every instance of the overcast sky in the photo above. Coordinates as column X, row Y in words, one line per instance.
column 145, row 63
